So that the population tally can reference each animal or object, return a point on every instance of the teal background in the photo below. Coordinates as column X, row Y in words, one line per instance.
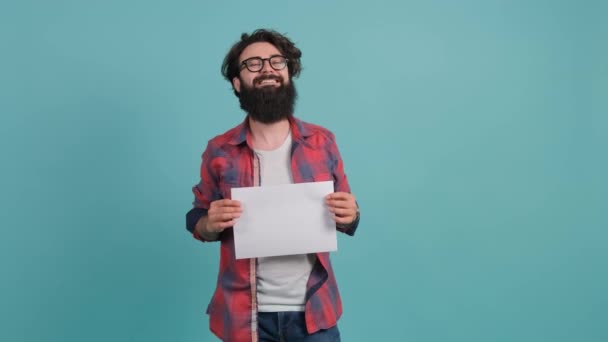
column 474, row 134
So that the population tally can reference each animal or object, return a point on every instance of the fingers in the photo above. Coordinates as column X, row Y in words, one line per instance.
column 220, row 226
column 341, row 204
column 224, row 203
column 225, row 210
column 223, row 214
column 343, row 215
column 343, row 207
column 341, row 200
column 221, row 217
column 343, row 212
column 340, row 196
column 225, row 206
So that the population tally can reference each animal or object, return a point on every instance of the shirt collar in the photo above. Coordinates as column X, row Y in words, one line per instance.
column 299, row 132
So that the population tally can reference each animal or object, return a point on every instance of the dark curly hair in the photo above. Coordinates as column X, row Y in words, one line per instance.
column 230, row 66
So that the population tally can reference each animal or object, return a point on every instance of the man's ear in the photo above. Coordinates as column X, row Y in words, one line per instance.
column 236, row 84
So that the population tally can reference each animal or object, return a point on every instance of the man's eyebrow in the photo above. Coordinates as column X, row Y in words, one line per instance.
column 273, row 55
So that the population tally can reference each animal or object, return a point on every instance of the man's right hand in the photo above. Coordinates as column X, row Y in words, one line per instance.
column 221, row 215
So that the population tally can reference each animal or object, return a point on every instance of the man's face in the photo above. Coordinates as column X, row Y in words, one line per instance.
column 268, row 76
column 265, row 93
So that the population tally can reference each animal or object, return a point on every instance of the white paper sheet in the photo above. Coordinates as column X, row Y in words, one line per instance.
column 284, row 220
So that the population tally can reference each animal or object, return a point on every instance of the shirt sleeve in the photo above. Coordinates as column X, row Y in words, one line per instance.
column 205, row 192
column 340, row 182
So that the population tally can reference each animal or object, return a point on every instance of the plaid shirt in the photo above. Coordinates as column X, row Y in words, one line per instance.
column 229, row 162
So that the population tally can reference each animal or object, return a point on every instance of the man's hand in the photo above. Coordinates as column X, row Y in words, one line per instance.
column 343, row 207
column 222, row 214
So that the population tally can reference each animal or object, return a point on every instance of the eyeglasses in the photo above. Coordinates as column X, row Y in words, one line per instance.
column 255, row 64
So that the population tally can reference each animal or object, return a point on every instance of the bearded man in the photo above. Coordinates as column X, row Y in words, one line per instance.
column 279, row 298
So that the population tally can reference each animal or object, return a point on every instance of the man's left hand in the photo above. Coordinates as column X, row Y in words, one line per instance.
column 343, row 207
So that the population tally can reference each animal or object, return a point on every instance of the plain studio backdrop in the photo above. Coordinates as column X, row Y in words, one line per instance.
column 474, row 135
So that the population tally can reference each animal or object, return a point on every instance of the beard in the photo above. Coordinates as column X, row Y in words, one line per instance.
column 268, row 104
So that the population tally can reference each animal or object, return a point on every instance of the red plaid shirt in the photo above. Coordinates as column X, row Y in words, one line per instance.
column 229, row 162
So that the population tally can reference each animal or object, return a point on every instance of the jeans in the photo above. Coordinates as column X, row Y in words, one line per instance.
column 290, row 326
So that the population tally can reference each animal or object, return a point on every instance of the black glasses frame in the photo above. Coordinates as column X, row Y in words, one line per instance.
column 262, row 60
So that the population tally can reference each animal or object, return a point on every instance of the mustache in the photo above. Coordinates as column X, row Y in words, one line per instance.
column 268, row 77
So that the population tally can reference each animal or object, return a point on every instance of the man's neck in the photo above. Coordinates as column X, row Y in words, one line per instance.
column 268, row 136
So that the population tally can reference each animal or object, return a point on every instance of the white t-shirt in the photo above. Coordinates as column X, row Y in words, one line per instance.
column 281, row 280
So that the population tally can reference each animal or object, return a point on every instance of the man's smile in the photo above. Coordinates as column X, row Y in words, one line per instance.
column 265, row 81
column 268, row 82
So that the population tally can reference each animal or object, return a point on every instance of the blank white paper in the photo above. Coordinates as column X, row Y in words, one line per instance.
column 284, row 220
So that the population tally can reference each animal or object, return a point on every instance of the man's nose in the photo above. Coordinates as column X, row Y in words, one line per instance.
column 266, row 68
